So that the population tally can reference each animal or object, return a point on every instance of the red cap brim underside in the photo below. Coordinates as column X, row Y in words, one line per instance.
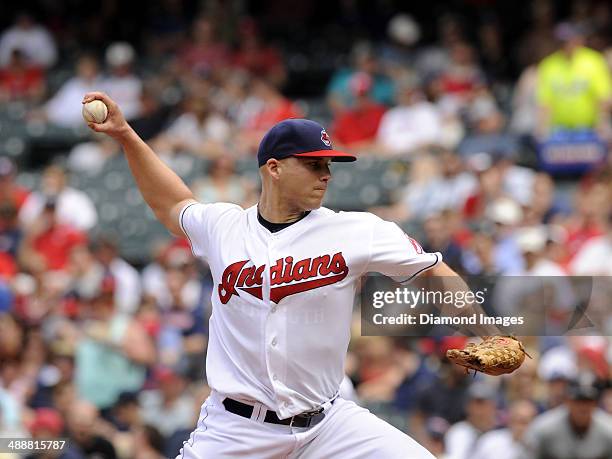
column 339, row 156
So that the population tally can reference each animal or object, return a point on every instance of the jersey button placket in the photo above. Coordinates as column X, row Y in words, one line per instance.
column 274, row 348
column 273, row 331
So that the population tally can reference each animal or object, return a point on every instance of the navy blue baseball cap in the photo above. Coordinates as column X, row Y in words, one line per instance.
column 301, row 138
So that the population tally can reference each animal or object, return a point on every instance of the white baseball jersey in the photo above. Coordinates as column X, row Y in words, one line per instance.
column 283, row 301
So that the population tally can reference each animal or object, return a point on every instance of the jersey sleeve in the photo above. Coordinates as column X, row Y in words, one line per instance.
column 395, row 254
column 198, row 222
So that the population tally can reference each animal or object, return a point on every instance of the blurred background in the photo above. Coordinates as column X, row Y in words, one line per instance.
column 482, row 128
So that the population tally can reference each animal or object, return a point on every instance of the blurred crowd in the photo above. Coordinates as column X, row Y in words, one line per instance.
column 110, row 353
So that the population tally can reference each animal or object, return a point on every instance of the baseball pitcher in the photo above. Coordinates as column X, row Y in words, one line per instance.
column 285, row 273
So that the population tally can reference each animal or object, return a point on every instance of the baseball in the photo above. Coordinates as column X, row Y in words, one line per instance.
column 95, row 111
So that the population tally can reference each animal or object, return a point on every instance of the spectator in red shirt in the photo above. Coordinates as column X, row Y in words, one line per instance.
column 204, row 51
column 356, row 127
column 462, row 75
column 8, row 267
column 12, row 197
column 11, row 194
column 47, row 243
column 589, row 219
column 256, row 57
column 490, row 188
column 275, row 108
column 20, row 81
column 10, row 238
column 47, row 423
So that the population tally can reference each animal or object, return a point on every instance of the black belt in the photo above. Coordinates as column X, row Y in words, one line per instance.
column 307, row 419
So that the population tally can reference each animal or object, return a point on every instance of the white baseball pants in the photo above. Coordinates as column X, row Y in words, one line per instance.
column 347, row 432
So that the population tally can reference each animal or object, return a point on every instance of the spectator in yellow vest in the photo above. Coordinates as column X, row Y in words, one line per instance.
column 573, row 89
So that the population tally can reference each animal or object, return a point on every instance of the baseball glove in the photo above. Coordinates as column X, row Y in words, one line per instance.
column 495, row 355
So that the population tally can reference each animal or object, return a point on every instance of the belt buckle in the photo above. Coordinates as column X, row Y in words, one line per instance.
column 312, row 413
column 308, row 420
column 309, row 415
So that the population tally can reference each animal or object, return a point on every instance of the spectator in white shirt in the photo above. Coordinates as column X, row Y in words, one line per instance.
column 415, row 123
column 32, row 39
column 200, row 131
column 595, row 257
column 532, row 241
column 128, row 289
column 435, row 184
column 64, row 108
column 89, row 158
column 155, row 277
column 507, row 443
column 540, row 292
column 122, row 85
column 480, row 418
column 449, row 190
column 73, row 207
column 168, row 408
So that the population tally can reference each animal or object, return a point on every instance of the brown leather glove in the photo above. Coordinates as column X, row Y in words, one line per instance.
column 495, row 355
